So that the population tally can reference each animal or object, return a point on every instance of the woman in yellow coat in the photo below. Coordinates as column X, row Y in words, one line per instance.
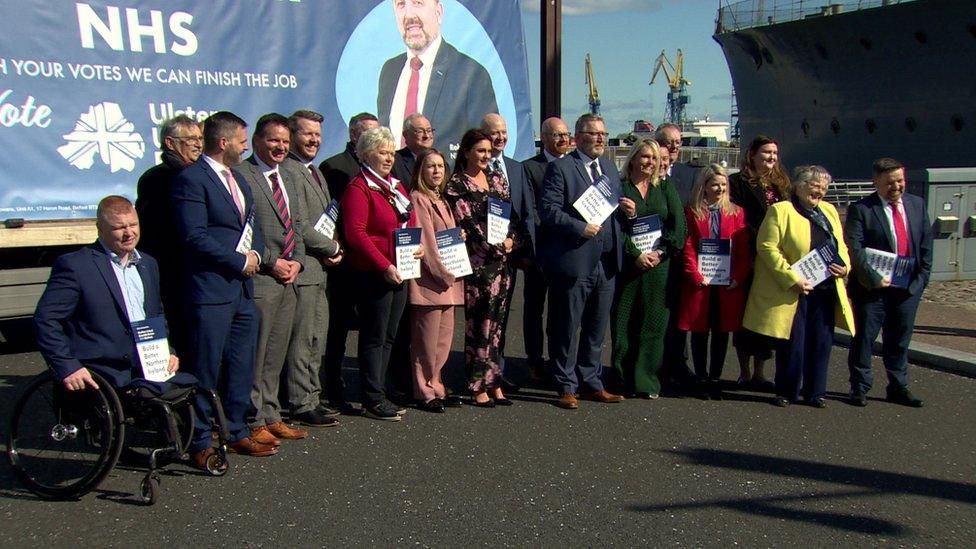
column 788, row 307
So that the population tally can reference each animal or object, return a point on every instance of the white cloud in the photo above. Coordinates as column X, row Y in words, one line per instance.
column 585, row 7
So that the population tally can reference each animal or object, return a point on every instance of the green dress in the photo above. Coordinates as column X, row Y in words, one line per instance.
column 640, row 307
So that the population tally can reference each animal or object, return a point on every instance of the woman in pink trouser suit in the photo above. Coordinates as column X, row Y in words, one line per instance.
column 434, row 295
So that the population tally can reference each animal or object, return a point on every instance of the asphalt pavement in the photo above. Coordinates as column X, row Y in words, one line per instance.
column 674, row 471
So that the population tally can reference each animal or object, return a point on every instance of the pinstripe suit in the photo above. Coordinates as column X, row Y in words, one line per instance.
column 275, row 302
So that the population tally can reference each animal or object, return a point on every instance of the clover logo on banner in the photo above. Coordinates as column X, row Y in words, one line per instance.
column 103, row 130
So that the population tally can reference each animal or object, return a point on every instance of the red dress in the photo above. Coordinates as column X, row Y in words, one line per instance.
column 695, row 298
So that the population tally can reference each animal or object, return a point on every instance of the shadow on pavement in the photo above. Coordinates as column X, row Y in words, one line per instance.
column 872, row 482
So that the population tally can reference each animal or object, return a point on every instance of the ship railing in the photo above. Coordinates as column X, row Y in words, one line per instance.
column 744, row 14
column 844, row 193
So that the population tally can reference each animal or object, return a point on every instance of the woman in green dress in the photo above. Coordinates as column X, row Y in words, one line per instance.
column 640, row 311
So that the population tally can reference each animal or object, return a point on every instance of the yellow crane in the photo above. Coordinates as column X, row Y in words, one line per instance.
column 677, row 86
column 593, row 95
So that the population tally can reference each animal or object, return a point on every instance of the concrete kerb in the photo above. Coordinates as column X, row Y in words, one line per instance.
column 923, row 354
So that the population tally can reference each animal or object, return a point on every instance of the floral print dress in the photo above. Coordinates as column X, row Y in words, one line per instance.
column 487, row 289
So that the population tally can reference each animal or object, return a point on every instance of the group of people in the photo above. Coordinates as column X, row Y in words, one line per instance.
column 261, row 281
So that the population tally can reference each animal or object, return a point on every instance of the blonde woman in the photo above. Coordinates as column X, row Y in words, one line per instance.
column 640, row 313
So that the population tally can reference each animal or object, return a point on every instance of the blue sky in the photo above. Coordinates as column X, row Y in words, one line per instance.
column 624, row 38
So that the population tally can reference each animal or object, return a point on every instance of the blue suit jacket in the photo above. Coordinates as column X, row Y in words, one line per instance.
column 867, row 227
column 210, row 226
column 523, row 200
column 562, row 250
column 81, row 317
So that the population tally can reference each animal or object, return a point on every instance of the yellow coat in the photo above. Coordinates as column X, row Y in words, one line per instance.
column 783, row 239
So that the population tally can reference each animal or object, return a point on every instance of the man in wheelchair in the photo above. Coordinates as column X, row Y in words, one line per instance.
column 97, row 304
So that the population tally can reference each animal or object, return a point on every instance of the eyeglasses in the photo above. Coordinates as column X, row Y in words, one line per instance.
column 596, row 134
column 423, row 131
column 190, row 139
column 558, row 135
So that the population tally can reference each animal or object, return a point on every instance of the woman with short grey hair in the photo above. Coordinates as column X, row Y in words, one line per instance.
column 785, row 305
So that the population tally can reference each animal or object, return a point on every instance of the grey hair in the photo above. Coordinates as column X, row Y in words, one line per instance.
column 169, row 126
column 372, row 139
column 804, row 175
column 659, row 132
column 409, row 120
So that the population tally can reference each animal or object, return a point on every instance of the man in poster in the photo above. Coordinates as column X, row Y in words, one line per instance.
column 452, row 90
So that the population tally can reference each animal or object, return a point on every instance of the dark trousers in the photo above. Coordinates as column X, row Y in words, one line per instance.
column 890, row 311
column 578, row 304
column 533, row 312
column 720, row 342
column 401, row 367
column 341, row 291
column 674, row 368
column 223, row 339
column 380, row 307
column 802, row 360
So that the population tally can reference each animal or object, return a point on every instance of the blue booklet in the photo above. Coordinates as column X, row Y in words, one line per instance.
column 453, row 252
column 645, row 233
column 405, row 243
column 715, row 261
column 896, row 268
column 152, row 348
column 499, row 217
column 326, row 224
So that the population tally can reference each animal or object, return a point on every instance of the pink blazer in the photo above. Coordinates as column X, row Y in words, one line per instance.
column 436, row 286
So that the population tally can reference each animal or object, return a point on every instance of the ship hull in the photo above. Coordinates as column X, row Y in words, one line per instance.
column 846, row 89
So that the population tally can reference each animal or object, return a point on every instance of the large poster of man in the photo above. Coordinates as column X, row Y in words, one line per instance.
column 84, row 86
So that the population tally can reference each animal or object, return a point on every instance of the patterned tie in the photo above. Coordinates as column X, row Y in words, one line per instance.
column 281, row 206
column 594, row 170
column 232, row 184
column 715, row 222
column 496, row 166
column 901, row 233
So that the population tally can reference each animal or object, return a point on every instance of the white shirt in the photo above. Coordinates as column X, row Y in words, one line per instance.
column 400, row 97
column 587, row 161
column 267, row 171
column 501, row 163
column 891, row 219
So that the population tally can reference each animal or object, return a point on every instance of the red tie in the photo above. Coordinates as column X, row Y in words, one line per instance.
column 901, row 234
column 413, row 89
column 282, row 207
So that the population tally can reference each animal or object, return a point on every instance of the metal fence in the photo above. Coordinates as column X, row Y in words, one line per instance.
column 757, row 13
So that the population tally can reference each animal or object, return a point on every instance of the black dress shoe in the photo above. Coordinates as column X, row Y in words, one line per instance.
column 453, row 401
column 904, row 397
column 818, row 403
column 327, row 411
column 487, row 404
column 858, row 399
column 315, row 418
column 503, row 402
column 781, row 402
column 509, row 387
column 434, row 406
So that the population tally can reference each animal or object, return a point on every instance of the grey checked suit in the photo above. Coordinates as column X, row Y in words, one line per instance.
column 276, row 302
column 303, row 380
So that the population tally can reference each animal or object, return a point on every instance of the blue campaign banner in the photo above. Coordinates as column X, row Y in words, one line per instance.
column 84, row 86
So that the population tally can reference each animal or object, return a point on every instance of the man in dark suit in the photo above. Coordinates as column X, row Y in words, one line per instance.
column 181, row 140
column 522, row 197
column 555, row 145
column 418, row 135
column 453, row 90
column 676, row 375
column 338, row 171
column 278, row 212
column 581, row 261
column 223, row 246
column 891, row 221
column 304, row 375
column 83, row 319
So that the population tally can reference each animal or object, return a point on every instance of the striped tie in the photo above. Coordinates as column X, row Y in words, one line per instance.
column 282, row 208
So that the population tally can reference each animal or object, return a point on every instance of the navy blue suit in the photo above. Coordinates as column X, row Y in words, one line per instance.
column 535, row 288
column 221, row 313
column 81, row 319
column 890, row 311
column 581, row 273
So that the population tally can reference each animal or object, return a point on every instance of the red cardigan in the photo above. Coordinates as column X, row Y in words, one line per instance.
column 368, row 222
column 695, row 298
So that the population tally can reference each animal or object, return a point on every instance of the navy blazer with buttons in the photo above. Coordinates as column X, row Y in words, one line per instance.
column 562, row 250
column 867, row 227
column 523, row 201
column 210, row 226
column 81, row 319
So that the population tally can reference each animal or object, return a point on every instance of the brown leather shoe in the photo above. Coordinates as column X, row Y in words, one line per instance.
column 568, row 402
column 249, row 447
column 285, row 431
column 604, row 397
column 263, row 435
column 199, row 460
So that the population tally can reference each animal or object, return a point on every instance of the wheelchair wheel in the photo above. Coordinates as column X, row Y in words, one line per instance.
column 150, row 488
column 61, row 444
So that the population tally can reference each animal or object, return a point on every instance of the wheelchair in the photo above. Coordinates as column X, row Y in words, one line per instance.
column 61, row 444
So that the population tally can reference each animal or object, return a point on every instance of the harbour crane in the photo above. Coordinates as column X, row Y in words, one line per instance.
column 592, row 94
column 677, row 86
